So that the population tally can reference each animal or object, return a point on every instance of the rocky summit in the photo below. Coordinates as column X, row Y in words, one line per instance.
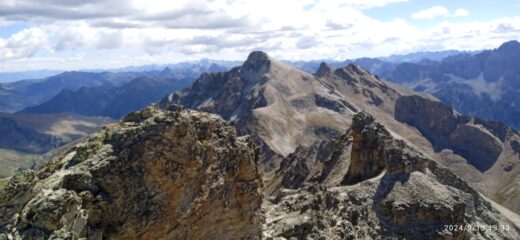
column 159, row 174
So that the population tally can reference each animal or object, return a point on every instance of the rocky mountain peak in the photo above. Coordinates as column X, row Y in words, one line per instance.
column 324, row 69
column 166, row 72
column 510, row 46
column 353, row 68
column 257, row 60
column 159, row 174
column 351, row 72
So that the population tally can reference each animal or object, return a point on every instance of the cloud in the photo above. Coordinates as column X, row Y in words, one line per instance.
column 370, row 3
column 307, row 42
column 460, row 12
column 430, row 13
column 160, row 31
column 438, row 11
column 23, row 44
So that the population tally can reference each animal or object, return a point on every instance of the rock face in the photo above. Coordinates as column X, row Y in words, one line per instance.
column 406, row 196
column 471, row 138
column 489, row 147
column 159, row 174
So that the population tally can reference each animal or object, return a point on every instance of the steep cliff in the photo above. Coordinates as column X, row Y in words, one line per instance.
column 159, row 174
column 487, row 146
column 391, row 190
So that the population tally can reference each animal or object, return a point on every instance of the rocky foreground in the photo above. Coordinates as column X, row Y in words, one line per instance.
column 159, row 174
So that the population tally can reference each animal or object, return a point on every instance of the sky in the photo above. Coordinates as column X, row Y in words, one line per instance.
column 94, row 34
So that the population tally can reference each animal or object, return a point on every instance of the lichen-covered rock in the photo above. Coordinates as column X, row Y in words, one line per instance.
column 159, row 174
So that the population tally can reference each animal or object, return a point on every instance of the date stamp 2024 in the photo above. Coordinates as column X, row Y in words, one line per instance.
column 476, row 227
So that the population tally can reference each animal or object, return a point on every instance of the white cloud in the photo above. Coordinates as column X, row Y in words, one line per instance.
column 160, row 31
column 438, row 11
column 23, row 44
column 430, row 13
column 460, row 12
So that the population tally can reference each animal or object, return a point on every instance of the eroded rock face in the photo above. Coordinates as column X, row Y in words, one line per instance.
column 398, row 193
column 374, row 150
column 159, row 174
column 478, row 141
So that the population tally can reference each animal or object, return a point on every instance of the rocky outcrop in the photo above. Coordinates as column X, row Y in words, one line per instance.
column 324, row 70
column 159, row 174
column 478, row 141
column 374, row 151
column 397, row 193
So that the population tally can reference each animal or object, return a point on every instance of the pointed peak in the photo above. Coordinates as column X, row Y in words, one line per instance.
column 364, row 122
column 257, row 60
column 166, row 73
column 353, row 69
column 166, row 70
column 324, row 69
column 510, row 45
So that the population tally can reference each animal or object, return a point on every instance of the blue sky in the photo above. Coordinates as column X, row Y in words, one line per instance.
column 481, row 10
column 67, row 35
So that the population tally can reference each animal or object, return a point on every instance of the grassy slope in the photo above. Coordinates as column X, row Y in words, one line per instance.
column 3, row 182
column 11, row 160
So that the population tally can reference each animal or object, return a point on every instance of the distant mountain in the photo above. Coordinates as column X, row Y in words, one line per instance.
column 112, row 101
column 486, row 84
column 420, row 56
column 17, row 76
column 18, row 95
column 141, row 92
column 379, row 65
column 189, row 68
column 373, row 65
column 15, row 96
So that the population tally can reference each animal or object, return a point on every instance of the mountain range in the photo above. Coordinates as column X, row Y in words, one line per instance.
column 340, row 153
column 15, row 96
column 112, row 101
column 484, row 84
